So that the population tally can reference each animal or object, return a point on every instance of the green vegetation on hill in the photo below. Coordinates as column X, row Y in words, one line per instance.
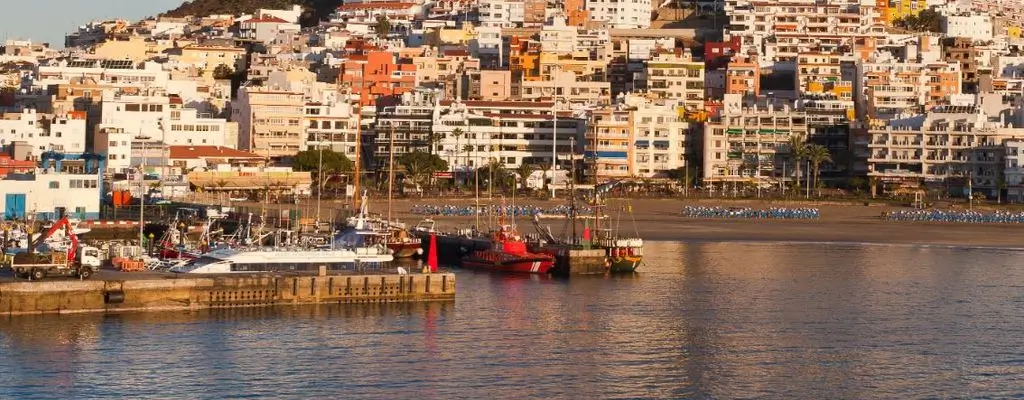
column 315, row 9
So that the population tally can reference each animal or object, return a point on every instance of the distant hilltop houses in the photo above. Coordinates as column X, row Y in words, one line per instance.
column 867, row 95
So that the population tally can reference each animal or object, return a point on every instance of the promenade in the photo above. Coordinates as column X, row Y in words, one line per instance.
column 660, row 219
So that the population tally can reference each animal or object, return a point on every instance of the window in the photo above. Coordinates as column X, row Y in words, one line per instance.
column 54, row 185
column 131, row 107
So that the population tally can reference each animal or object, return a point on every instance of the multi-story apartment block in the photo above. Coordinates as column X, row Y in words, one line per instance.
column 116, row 73
column 1013, row 170
column 889, row 89
column 569, row 86
column 115, row 145
column 743, row 76
column 676, row 76
column 748, row 142
column 607, row 150
column 164, row 119
column 947, row 146
column 63, row 133
column 407, row 125
column 635, row 14
column 502, row 13
column 270, row 122
column 374, row 74
column 894, row 10
column 796, row 26
column 472, row 133
column 962, row 50
column 333, row 125
column 662, row 137
column 972, row 26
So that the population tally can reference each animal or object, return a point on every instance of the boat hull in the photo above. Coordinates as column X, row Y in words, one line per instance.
column 521, row 265
column 405, row 250
column 624, row 265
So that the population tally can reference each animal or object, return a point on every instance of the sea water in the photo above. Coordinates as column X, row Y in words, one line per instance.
column 701, row 320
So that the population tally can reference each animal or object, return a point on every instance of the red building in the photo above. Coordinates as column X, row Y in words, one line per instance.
column 376, row 74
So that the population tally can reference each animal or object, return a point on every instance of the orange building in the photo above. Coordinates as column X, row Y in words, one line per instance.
column 524, row 58
column 375, row 74
column 743, row 76
column 576, row 13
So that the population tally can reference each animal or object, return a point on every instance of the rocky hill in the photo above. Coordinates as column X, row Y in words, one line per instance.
column 315, row 9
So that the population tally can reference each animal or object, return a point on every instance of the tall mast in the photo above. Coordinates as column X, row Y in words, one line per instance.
column 359, row 150
column 391, row 169
column 572, row 187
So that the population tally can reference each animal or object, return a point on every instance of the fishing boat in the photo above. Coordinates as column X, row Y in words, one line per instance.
column 623, row 254
column 508, row 254
column 395, row 234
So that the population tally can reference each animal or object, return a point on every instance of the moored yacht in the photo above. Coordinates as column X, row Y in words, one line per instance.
column 227, row 261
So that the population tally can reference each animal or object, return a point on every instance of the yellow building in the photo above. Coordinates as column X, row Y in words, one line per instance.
column 897, row 9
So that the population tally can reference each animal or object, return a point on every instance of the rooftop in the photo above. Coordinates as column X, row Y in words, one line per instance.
column 197, row 152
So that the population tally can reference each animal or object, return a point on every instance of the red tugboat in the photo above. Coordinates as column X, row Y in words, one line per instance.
column 508, row 255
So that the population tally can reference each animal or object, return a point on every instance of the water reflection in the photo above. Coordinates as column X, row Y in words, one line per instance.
column 717, row 320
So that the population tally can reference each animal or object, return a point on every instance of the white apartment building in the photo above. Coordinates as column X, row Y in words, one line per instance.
column 44, row 132
column 270, row 122
column 951, row 143
column 566, row 85
column 116, row 73
column 796, row 26
column 161, row 118
column 332, row 126
column 660, row 137
column 115, row 144
column 502, row 13
column 1013, row 171
column 974, row 26
column 187, row 127
column 677, row 77
column 629, row 14
column 510, row 132
column 747, row 143
column 889, row 88
column 489, row 47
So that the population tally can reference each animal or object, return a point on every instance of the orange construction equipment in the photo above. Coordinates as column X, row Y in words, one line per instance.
column 61, row 223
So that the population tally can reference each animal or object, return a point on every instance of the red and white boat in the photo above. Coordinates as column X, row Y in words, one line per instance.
column 508, row 254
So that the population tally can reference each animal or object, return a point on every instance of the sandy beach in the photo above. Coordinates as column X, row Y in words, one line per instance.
column 660, row 219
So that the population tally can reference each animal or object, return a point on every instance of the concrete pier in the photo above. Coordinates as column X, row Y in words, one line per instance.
column 188, row 292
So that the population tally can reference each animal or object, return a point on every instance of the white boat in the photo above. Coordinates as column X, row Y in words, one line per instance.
column 271, row 259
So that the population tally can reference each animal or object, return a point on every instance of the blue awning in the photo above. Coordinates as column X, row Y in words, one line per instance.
column 661, row 143
column 612, row 154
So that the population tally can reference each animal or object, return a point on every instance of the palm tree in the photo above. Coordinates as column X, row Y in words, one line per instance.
column 382, row 27
column 818, row 154
column 546, row 167
column 458, row 132
column 524, row 171
column 797, row 153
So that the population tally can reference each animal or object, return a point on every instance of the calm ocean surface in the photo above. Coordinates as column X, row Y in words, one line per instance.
column 703, row 320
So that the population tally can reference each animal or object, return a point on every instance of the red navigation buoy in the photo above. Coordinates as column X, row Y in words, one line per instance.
column 432, row 253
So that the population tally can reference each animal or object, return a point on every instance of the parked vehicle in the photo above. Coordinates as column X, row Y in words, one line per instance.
column 76, row 261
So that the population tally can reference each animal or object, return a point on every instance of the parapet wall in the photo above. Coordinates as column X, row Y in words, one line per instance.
column 69, row 296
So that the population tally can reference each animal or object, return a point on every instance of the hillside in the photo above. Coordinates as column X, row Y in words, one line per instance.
column 315, row 9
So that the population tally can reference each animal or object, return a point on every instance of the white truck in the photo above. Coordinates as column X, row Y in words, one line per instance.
column 39, row 266
column 76, row 261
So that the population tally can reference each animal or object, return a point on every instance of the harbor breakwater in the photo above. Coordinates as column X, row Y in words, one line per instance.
column 177, row 293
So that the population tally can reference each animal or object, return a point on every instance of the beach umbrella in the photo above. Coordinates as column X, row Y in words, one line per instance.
column 432, row 253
